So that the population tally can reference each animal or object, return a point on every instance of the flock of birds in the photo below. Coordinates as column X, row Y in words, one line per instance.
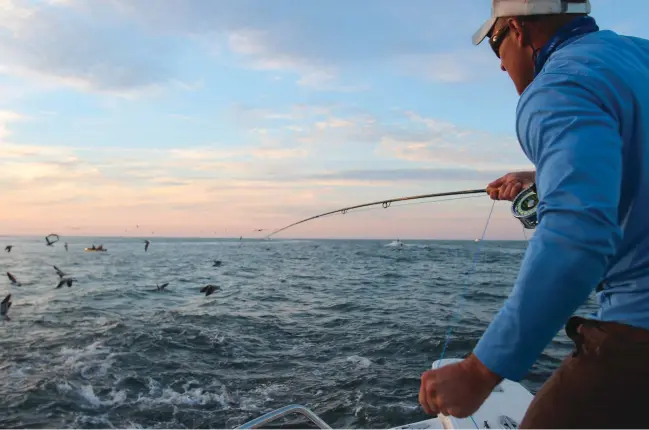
column 65, row 279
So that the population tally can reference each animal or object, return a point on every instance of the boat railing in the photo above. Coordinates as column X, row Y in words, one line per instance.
column 281, row 412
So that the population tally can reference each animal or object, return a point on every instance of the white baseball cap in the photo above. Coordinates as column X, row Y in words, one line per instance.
column 501, row 8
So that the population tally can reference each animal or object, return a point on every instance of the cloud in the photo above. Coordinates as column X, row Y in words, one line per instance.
column 7, row 117
column 339, row 134
column 400, row 175
column 133, row 47
column 106, row 187
column 85, row 48
column 318, row 74
column 449, row 67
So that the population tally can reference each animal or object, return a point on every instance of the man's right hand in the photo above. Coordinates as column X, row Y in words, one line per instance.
column 507, row 187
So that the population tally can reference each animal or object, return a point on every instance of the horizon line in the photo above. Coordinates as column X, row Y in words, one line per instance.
column 263, row 238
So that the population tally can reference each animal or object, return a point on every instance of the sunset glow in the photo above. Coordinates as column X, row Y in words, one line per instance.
column 212, row 119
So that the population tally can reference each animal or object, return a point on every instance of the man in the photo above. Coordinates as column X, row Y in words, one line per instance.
column 583, row 120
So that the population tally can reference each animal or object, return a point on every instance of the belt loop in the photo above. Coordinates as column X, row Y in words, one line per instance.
column 572, row 330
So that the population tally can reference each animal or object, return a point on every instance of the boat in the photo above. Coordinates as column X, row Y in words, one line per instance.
column 95, row 249
column 504, row 408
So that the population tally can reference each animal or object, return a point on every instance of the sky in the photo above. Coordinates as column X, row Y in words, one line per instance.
column 215, row 118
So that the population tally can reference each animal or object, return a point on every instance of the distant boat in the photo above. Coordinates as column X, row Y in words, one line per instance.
column 94, row 248
column 395, row 243
column 477, row 240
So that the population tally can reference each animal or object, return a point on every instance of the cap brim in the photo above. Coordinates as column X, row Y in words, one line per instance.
column 479, row 35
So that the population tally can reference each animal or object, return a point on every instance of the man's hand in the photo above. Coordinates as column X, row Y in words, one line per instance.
column 457, row 389
column 507, row 187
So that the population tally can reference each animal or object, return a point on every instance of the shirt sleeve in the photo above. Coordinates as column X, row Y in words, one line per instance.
column 573, row 140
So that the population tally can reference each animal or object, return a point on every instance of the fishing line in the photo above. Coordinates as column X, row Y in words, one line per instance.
column 475, row 261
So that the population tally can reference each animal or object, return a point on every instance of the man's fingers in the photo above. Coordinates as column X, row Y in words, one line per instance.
column 493, row 193
column 427, row 393
column 422, row 397
column 508, row 191
column 498, row 182
column 511, row 190
column 431, row 404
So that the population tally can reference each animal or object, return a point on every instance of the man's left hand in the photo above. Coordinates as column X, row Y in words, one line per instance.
column 457, row 389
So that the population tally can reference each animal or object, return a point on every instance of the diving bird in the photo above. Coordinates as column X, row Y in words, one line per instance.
column 146, row 246
column 162, row 287
column 4, row 307
column 49, row 239
column 64, row 281
column 8, row 248
column 66, row 246
column 13, row 279
column 209, row 289
column 59, row 272
column 217, row 263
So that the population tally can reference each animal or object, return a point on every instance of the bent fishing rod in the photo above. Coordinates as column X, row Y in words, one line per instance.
column 523, row 206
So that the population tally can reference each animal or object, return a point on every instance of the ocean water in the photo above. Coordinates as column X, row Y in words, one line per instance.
column 344, row 327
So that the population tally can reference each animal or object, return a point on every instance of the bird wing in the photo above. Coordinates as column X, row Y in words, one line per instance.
column 52, row 238
column 5, row 305
column 58, row 271
column 61, row 282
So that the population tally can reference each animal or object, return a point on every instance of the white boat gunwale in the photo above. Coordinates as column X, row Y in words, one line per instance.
column 504, row 408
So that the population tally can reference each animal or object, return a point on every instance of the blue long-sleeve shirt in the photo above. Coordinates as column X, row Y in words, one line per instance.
column 584, row 123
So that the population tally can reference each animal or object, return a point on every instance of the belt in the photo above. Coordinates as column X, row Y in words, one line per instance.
column 615, row 329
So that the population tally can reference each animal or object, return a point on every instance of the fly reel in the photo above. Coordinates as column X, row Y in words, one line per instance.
column 524, row 207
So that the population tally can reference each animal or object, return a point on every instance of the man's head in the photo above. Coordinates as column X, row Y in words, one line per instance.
column 518, row 28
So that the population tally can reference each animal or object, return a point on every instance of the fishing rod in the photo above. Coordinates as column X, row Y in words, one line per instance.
column 385, row 203
column 523, row 206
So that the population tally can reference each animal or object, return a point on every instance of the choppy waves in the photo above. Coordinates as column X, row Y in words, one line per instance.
column 345, row 327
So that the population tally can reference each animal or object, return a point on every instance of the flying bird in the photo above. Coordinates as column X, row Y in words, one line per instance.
column 64, row 281
column 260, row 229
column 4, row 307
column 13, row 279
column 162, row 287
column 50, row 239
column 59, row 272
column 209, row 289
column 146, row 246
column 8, row 248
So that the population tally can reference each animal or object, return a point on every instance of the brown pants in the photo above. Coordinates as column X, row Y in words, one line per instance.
column 604, row 383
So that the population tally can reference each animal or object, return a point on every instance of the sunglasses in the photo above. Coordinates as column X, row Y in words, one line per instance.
column 497, row 38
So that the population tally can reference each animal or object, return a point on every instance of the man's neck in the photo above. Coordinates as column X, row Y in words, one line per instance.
column 545, row 29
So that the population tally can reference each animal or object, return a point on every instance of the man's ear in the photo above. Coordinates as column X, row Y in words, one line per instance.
column 520, row 32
